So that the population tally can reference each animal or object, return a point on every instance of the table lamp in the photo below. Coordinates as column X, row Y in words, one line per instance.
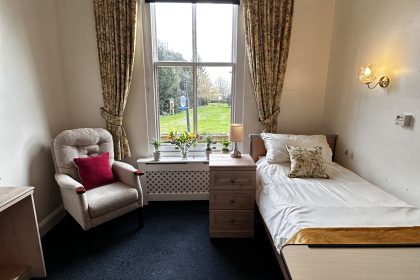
column 236, row 135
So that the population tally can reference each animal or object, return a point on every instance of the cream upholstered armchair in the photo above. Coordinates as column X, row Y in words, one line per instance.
column 98, row 205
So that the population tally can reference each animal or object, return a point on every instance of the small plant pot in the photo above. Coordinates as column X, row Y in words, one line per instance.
column 225, row 150
column 208, row 152
column 156, row 155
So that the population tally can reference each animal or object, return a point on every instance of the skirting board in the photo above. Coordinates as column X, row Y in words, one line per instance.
column 51, row 220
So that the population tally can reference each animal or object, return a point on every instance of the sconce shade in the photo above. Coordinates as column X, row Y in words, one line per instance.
column 236, row 132
column 367, row 74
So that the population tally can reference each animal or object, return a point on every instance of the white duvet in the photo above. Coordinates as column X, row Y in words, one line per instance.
column 345, row 200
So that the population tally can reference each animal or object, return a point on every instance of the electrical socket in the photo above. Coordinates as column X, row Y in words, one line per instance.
column 403, row 120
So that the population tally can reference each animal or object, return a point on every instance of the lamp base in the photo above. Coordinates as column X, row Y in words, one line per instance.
column 236, row 153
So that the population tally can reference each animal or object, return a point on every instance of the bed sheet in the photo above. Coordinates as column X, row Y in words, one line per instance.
column 345, row 200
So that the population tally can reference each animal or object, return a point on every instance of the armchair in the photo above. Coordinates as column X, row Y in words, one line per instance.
column 98, row 205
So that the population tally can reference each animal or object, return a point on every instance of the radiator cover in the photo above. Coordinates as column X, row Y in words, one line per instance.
column 174, row 179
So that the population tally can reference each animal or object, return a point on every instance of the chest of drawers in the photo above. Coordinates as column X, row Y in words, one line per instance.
column 231, row 196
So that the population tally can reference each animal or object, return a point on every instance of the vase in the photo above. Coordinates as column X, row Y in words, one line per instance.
column 184, row 151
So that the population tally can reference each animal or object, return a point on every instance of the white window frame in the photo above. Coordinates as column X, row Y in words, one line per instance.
column 151, row 66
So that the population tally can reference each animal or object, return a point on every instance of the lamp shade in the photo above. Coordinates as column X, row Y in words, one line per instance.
column 236, row 132
column 367, row 74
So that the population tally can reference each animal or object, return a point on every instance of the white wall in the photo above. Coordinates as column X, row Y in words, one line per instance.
column 76, row 28
column 385, row 33
column 32, row 98
column 302, row 102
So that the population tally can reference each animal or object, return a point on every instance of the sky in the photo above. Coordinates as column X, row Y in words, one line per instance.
column 214, row 37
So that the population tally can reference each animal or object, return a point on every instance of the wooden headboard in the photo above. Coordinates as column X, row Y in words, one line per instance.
column 257, row 148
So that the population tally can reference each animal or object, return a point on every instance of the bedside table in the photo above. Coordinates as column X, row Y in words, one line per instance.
column 231, row 196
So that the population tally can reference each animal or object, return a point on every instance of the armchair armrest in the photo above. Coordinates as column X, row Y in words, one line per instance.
column 80, row 190
column 128, row 175
column 67, row 182
column 74, row 198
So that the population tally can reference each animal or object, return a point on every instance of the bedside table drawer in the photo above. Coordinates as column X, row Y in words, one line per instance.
column 232, row 180
column 220, row 200
column 231, row 221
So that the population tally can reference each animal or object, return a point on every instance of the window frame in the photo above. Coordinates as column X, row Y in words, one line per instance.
column 151, row 65
column 194, row 64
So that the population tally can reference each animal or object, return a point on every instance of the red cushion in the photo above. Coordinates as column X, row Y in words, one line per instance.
column 95, row 171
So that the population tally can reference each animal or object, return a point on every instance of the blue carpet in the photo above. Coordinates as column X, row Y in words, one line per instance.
column 174, row 244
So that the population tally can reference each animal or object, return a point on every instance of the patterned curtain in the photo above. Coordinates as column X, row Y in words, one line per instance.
column 268, row 25
column 116, row 35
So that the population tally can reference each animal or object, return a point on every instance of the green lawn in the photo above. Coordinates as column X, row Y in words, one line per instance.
column 213, row 118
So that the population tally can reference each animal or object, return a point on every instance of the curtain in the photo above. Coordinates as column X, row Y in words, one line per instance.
column 115, row 22
column 268, row 25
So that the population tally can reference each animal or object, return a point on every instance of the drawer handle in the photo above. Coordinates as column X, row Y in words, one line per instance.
column 232, row 221
column 232, row 201
column 232, row 181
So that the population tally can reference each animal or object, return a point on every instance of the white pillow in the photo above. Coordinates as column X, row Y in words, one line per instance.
column 277, row 151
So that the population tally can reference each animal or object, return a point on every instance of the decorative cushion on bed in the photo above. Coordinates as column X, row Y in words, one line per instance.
column 94, row 171
column 306, row 162
column 277, row 151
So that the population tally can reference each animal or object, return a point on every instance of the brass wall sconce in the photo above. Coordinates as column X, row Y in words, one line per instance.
column 367, row 76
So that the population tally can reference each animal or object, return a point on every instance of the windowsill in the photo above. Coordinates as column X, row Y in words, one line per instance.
column 193, row 158
column 174, row 159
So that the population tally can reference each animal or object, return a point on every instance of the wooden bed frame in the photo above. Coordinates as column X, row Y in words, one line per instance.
column 341, row 261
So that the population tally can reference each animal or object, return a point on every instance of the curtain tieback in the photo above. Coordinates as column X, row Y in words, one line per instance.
column 270, row 119
column 112, row 119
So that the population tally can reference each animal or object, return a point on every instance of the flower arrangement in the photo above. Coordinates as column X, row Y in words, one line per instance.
column 183, row 141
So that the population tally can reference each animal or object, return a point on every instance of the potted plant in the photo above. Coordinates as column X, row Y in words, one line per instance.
column 225, row 144
column 209, row 141
column 156, row 153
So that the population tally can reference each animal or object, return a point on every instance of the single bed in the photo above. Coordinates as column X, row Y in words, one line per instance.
column 342, row 205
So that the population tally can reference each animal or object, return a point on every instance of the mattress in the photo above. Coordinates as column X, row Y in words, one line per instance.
column 345, row 200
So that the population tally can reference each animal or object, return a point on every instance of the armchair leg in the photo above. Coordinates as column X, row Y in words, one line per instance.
column 140, row 217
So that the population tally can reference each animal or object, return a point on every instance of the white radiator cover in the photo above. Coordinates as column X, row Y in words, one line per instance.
column 174, row 179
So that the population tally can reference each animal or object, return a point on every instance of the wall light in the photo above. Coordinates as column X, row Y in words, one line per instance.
column 367, row 76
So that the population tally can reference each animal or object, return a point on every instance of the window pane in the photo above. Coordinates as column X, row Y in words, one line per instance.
column 175, row 99
column 214, row 99
column 174, row 31
column 214, row 32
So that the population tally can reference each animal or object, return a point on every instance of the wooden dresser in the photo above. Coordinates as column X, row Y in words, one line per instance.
column 20, row 246
column 231, row 196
